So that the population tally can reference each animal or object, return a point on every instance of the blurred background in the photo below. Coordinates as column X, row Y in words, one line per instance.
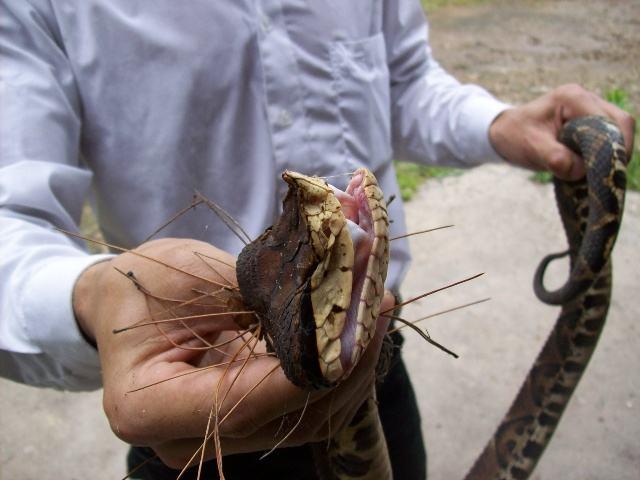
column 506, row 221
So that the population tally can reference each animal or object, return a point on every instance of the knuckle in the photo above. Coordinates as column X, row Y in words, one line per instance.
column 574, row 87
column 555, row 164
column 571, row 90
column 125, row 422
column 558, row 162
column 155, row 245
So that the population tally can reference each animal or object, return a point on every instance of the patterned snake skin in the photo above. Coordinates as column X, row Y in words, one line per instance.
column 591, row 211
column 316, row 280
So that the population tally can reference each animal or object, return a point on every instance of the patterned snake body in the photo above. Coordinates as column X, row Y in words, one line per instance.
column 316, row 279
column 318, row 297
column 591, row 211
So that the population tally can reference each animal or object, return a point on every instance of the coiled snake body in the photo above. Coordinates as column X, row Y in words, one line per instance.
column 316, row 278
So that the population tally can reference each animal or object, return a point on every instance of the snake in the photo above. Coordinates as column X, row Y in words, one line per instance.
column 316, row 280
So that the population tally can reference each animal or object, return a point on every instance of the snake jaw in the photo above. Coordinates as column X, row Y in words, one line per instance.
column 317, row 293
column 348, row 284
column 364, row 205
column 332, row 280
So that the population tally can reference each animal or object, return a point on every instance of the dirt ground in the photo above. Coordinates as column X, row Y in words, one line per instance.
column 522, row 49
column 504, row 225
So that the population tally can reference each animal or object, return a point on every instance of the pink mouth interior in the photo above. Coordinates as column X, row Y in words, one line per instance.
column 360, row 223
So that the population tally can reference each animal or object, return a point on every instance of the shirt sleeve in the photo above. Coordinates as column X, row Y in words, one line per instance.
column 42, row 186
column 434, row 119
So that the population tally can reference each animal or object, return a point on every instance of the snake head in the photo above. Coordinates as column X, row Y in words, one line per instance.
column 316, row 277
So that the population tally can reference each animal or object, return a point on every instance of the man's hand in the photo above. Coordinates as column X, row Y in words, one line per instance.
column 172, row 416
column 527, row 135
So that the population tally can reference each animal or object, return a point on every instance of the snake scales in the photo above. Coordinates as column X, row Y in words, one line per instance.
column 316, row 280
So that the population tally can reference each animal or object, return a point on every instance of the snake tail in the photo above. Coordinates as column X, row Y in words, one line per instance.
column 591, row 212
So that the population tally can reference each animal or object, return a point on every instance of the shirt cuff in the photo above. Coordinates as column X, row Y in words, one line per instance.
column 479, row 114
column 49, row 319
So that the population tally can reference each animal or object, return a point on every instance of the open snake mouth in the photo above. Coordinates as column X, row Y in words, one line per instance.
column 316, row 278
column 360, row 324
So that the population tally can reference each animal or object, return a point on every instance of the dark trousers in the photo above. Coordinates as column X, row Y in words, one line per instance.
column 400, row 421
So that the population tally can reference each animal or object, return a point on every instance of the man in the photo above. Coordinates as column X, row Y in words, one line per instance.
column 138, row 105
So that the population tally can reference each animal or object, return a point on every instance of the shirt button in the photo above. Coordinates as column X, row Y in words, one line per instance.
column 284, row 119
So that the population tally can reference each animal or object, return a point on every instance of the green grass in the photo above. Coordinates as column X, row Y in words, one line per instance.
column 410, row 176
column 541, row 177
column 620, row 98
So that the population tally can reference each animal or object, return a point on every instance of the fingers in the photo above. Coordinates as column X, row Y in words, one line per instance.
column 250, row 396
column 277, row 396
column 317, row 423
column 247, row 397
column 575, row 101
column 321, row 418
column 527, row 136
column 561, row 161
column 627, row 126
column 572, row 100
column 268, row 400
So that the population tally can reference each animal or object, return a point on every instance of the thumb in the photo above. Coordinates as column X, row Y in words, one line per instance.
column 562, row 162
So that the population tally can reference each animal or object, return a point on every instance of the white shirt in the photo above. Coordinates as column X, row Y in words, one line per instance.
column 137, row 104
